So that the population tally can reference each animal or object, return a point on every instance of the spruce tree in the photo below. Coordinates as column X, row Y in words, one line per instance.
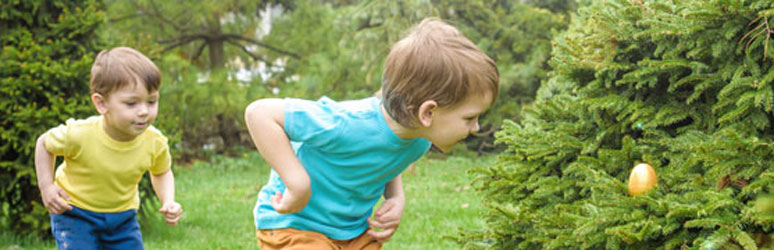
column 685, row 86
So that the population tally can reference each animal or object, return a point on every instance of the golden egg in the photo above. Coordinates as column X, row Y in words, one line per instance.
column 642, row 178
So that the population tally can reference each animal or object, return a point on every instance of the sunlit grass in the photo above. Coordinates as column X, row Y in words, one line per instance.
column 218, row 197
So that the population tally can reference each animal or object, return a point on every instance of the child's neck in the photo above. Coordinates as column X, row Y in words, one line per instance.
column 398, row 129
column 114, row 134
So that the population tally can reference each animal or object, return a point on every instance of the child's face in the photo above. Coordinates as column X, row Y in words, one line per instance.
column 129, row 111
column 452, row 125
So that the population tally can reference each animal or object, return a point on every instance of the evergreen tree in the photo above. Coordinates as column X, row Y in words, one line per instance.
column 685, row 86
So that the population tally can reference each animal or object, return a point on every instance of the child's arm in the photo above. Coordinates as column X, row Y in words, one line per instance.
column 265, row 121
column 388, row 216
column 54, row 198
column 164, row 185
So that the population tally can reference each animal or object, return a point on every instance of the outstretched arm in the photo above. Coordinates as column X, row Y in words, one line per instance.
column 164, row 185
column 265, row 121
column 54, row 198
column 388, row 216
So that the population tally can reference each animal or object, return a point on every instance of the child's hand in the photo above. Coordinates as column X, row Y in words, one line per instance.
column 290, row 202
column 55, row 199
column 172, row 212
column 387, row 218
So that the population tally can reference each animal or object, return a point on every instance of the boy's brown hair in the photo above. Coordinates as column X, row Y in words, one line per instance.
column 434, row 62
column 117, row 67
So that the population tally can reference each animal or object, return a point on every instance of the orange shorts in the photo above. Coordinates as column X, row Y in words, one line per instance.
column 291, row 238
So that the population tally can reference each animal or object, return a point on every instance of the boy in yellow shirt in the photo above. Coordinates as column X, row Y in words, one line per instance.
column 93, row 197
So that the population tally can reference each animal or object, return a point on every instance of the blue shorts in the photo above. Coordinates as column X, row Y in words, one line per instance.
column 81, row 229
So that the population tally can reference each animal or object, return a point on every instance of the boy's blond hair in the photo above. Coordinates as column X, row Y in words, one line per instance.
column 117, row 67
column 434, row 62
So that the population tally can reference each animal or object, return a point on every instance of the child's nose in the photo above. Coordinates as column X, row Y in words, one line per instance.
column 475, row 127
column 143, row 110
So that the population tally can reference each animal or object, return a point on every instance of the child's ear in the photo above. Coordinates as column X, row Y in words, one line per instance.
column 99, row 103
column 426, row 110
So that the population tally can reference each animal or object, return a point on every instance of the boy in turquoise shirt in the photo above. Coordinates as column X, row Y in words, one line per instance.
column 332, row 161
column 93, row 197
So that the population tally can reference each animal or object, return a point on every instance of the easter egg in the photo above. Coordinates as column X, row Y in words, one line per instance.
column 642, row 179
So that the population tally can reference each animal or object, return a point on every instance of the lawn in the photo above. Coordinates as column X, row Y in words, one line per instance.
column 218, row 197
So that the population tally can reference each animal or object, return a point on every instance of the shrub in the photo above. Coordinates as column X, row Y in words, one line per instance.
column 685, row 86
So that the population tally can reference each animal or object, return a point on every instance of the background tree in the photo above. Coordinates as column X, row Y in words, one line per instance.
column 47, row 51
column 195, row 27
column 685, row 86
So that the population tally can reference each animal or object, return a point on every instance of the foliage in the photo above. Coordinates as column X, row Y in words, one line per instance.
column 47, row 51
column 331, row 64
column 685, row 86
column 206, row 111
column 225, row 30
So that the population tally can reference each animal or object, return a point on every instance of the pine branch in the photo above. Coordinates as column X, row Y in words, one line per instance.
column 182, row 40
column 248, row 52
column 155, row 13
column 126, row 17
column 199, row 50
column 259, row 43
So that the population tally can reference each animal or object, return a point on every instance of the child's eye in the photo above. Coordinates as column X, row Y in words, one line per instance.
column 152, row 102
column 130, row 103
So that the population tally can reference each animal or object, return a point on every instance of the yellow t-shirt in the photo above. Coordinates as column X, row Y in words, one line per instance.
column 99, row 173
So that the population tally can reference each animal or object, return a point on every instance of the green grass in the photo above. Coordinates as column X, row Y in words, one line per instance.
column 218, row 198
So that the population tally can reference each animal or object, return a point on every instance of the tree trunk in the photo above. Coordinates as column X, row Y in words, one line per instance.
column 215, row 44
column 217, row 58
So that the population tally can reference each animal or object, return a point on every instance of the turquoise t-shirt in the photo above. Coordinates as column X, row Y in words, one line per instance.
column 350, row 154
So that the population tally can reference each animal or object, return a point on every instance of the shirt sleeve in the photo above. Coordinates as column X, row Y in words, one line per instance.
column 57, row 141
column 314, row 123
column 163, row 160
